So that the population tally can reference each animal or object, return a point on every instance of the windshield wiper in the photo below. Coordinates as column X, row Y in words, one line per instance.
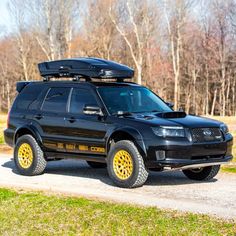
column 156, row 111
column 122, row 113
column 128, row 113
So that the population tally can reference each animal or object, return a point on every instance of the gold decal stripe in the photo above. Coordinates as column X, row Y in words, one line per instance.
column 97, row 149
column 60, row 145
column 50, row 145
column 83, row 148
column 70, row 146
column 80, row 147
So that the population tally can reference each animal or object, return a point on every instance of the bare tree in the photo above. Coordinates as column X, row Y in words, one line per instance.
column 23, row 43
column 101, row 33
column 185, row 50
column 132, row 33
column 175, row 14
column 53, row 26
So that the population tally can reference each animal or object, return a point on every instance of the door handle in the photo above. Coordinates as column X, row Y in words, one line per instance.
column 71, row 119
column 38, row 116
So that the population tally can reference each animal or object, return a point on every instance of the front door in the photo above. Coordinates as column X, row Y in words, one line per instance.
column 84, row 133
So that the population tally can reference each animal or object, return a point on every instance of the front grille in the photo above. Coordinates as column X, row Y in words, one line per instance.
column 200, row 135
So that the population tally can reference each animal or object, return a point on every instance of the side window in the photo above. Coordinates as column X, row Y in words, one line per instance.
column 28, row 96
column 35, row 104
column 79, row 98
column 56, row 100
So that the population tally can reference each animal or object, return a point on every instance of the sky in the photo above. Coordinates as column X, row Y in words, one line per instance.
column 5, row 23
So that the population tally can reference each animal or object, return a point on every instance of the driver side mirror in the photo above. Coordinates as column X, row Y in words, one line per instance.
column 169, row 104
column 92, row 110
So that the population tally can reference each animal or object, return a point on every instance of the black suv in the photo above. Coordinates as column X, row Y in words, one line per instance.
column 101, row 118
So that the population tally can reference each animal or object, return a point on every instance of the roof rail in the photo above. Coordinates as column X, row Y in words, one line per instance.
column 86, row 68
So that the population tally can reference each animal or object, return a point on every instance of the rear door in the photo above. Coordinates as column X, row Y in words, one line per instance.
column 84, row 133
column 51, row 117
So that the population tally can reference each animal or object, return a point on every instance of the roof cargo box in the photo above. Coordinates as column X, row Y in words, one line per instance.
column 85, row 67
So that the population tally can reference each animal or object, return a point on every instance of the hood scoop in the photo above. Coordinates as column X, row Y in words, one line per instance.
column 172, row 114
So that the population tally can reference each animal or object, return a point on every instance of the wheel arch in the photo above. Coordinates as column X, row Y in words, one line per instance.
column 127, row 134
column 24, row 130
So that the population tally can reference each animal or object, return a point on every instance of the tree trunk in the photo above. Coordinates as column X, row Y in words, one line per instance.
column 139, row 74
column 207, row 90
column 227, row 97
column 233, row 108
column 8, row 96
column 213, row 103
column 194, row 90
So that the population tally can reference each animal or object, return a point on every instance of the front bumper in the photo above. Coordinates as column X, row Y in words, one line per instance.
column 185, row 154
column 188, row 164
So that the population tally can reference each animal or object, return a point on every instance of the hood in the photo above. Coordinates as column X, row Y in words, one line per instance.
column 175, row 119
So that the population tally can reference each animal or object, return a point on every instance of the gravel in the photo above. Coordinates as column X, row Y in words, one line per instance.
column 169, row 190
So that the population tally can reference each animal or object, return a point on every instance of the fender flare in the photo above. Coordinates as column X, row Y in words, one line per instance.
column 32, row 130
column 134, row 133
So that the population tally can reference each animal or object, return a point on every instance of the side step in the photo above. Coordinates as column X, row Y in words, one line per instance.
column 64, row 155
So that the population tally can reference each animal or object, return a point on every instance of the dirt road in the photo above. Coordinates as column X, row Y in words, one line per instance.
column 170, row 190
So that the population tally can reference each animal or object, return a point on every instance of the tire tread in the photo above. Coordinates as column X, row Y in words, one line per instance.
column 39, row 155
column 206, row 174
column 142, row 173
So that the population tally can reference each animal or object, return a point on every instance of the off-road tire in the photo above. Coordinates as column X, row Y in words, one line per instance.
column 139, row 174
column 96, row 165
column 206, row 173
column 39, row 163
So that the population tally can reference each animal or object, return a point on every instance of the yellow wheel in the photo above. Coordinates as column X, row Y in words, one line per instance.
column 28, row 156
column 25, row 155
column 123, row 164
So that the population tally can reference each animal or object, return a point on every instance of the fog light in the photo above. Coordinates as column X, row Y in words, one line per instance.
column 160, row 155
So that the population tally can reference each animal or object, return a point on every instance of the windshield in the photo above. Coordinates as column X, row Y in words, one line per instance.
column 131, row 99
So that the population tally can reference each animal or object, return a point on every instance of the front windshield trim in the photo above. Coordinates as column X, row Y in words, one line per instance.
column 103, row 103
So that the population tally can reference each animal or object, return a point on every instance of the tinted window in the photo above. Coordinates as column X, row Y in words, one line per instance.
column 28, row 96
column 131, row 99
column 56, row 100
column 79, row 98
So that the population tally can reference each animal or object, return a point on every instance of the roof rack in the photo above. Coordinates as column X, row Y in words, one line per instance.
column 86, row 68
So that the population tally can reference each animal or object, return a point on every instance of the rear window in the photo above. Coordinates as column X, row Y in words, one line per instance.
column 56, row 100
column 28, row 96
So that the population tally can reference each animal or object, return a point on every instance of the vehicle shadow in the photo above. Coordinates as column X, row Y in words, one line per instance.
column 171, row 178
column 69, row 167
column 79, row 168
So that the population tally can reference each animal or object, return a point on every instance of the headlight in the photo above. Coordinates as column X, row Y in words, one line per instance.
column 224, row 128
column 169, row 131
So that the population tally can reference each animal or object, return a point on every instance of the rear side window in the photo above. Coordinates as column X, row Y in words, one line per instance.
column 28, row 96
column 80, row 98
column 56, row 100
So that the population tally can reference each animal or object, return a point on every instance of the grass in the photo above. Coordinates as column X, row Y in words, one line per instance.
column 38, row 214
column 234, row 146
column 229, row 168
column 1, row 138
